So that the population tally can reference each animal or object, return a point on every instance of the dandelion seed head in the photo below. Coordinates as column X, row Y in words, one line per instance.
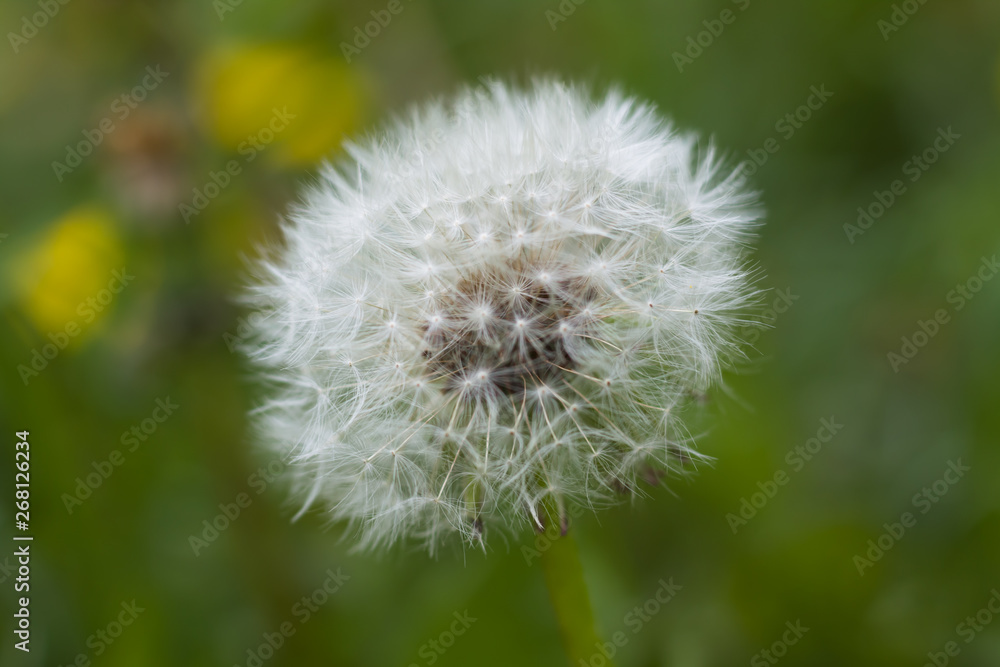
column 499, row 302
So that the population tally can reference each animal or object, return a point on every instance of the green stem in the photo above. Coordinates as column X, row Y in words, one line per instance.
column 568, row 592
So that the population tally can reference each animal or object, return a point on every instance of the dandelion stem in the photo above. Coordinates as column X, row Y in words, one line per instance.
column 570, row 600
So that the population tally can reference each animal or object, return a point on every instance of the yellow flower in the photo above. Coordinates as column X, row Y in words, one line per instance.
column 254, row 94
column 72, row 263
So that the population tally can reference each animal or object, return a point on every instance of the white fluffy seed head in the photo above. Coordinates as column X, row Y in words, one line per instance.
column 499, row 304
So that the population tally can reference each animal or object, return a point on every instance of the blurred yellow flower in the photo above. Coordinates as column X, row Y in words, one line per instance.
column 252, row 95
column 72, row 264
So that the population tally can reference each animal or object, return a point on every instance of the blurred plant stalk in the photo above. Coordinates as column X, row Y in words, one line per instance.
column 567, row 587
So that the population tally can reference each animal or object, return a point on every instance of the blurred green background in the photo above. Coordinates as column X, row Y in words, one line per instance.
column 145, row 105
